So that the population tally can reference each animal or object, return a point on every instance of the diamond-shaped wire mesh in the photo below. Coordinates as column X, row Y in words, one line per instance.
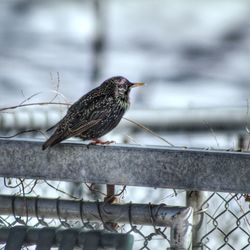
column 227, row 222
column 146, row 237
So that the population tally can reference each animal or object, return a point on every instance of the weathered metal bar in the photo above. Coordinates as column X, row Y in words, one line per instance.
column 181, row 231
column 165, row 167
column 196, row 199
column 143, row 214
column 178, row 218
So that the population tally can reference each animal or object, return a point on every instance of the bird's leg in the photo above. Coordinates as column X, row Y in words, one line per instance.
column 98, row 141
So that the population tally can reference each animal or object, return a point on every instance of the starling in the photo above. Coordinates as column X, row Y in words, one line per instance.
column 96, row 113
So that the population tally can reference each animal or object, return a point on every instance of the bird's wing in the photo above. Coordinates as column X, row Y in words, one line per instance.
column 63, row 133
column 82, row 127
column 82, row 115
column 88, row 111
column 82, row 122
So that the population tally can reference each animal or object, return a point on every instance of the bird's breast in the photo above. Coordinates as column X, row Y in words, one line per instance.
column 124, row 104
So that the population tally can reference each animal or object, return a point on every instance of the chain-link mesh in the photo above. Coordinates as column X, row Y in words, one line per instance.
column 146, row 237
column 224, row 224
column 226, row 218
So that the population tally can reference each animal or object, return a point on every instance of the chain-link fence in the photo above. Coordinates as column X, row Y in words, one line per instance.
column 149, row 224
column 226, row 221
column 157, row 218
column 223, row 217
column 220, row 220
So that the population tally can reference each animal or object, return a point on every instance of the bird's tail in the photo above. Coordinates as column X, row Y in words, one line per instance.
column 53, row 140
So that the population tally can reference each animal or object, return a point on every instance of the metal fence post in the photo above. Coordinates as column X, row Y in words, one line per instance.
column 196, row 199
column 181, row 231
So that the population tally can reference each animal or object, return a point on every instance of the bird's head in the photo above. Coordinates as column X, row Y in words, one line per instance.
column 121, row 86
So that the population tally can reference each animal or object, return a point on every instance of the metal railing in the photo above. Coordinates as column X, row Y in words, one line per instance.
column 190, row 169
column 166, row 167
column 178, row 218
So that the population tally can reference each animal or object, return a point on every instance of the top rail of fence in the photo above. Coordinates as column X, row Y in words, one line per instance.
column 165, row 167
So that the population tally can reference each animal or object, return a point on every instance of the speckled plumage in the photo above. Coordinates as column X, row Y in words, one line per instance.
column 96, row 113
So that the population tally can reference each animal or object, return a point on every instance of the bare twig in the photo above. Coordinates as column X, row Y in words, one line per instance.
column 61, row 191
column 90, row 187
column 148, row 130
column 56, row 90
column 212, row 132
column 34, row 104
column 29, row 98
column 22, row 132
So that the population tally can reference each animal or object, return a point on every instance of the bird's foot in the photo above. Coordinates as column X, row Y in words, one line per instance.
column 97, row 141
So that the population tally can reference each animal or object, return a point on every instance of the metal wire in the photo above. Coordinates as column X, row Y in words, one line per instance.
column 145, row 235
column 226, row 216
column 227, row 219
column 228, row 223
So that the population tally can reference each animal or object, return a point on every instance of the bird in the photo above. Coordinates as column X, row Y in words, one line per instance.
column 95, row 113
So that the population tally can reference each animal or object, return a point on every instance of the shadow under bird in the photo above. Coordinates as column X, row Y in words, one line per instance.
column 96, row 113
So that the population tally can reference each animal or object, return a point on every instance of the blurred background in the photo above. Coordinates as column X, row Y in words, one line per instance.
column 194, row 57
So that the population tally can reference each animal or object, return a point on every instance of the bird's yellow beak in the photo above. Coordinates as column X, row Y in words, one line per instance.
column 137, row 84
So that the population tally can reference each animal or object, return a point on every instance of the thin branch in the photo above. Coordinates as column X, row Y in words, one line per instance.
column 90, row 187
column 30, row 97
column 149, row 131
column 22, row 132
column 61, row 191
column 56, row 91
column 34, row 104
column 212, row 132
